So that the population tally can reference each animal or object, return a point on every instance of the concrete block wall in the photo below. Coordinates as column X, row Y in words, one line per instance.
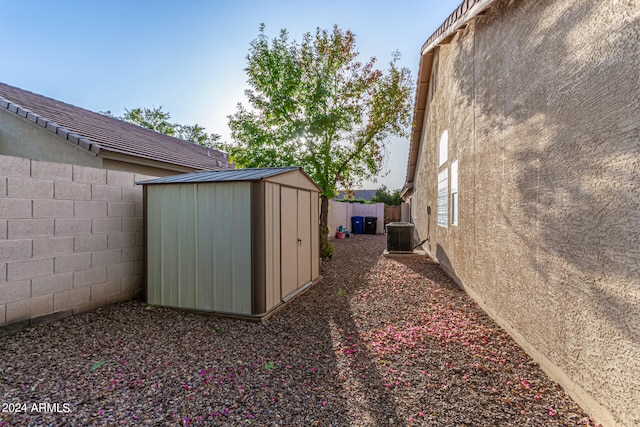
column 71, row 239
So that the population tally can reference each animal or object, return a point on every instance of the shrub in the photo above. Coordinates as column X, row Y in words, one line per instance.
column 327, row 252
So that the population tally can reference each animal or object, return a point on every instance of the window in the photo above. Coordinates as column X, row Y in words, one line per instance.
column 443, row 188
column 443, row 147
column 454, row 193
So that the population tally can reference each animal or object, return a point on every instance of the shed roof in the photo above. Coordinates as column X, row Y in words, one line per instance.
column 98, row 133
column 255, row 174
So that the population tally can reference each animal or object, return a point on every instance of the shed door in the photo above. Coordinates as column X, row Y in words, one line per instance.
column 295, row 211
column 304, row 237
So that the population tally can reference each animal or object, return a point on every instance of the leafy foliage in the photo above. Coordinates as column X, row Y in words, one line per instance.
column 97, row 365
column 150, row 118
column 383, row 195
column 196, row 134
column 327, row 252
column 269, row 365
column 360, row 200
column 158, row 120
column 314, row 104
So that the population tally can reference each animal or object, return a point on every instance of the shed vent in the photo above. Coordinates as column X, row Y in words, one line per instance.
column 400, row 237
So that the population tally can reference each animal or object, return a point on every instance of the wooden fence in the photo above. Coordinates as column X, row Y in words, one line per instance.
column 391, row 214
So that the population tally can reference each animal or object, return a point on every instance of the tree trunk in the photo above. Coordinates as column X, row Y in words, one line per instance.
column 324, row 225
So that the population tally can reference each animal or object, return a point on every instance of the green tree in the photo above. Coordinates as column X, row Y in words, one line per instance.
column 314, row 105
column 383, row 195
column 150, row 118
column 196, row 134
column 158, row 120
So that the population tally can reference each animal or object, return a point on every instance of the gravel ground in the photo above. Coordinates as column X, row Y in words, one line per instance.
column 378, row 342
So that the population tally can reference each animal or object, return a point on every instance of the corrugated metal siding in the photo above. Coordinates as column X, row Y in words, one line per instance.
column 226, row 176
column 272, row 238
column 199, row 246
column 153, row 247
column 185, row 241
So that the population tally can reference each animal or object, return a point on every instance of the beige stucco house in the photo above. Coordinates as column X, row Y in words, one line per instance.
column 41, row 128
column 524, row 176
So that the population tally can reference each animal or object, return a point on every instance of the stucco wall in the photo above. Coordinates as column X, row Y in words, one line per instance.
column 71, row 239
column 125, row 163
column 541, row 101
column 21, row 138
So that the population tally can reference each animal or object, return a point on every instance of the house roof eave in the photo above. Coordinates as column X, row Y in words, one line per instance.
column 467, row 11
column 97, row 132
column 406, row 191
column 51, row 126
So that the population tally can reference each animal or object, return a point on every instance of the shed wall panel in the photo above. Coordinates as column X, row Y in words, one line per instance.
column 304, row 237
column 186, row 244
column 206, row 270
column 169, row 243
column 220, row 200
column 315, row 236
column 258, row 249
column 154, row 285
column 200, row 246
column 230, row 246
column 272, row 253
column 289, row 239
column 241, row 259
column 295, row 179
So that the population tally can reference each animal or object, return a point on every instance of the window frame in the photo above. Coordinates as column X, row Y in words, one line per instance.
column 443, row 148
column 453, row 185
column 443, row 198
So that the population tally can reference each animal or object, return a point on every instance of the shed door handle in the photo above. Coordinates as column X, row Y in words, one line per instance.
column 299, row 242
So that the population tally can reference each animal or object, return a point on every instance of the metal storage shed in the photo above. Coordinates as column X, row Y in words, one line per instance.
column 238, row 242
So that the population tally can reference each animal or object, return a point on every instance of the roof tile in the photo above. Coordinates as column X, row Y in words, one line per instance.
column 84, row 143
column 73, row 138
column 106, row 133
column 62, row 132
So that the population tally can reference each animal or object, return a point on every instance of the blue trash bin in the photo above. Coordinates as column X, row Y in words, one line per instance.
column 357, row 223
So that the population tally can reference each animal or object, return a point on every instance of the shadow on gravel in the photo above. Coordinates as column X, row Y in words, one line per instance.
column 366, row 401
column 312, row 364
column 375, row 404
column 428, row 269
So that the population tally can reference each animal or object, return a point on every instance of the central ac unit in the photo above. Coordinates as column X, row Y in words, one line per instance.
column 400, row 237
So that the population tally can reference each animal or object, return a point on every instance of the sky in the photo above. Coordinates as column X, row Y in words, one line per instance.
column 189, row 56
